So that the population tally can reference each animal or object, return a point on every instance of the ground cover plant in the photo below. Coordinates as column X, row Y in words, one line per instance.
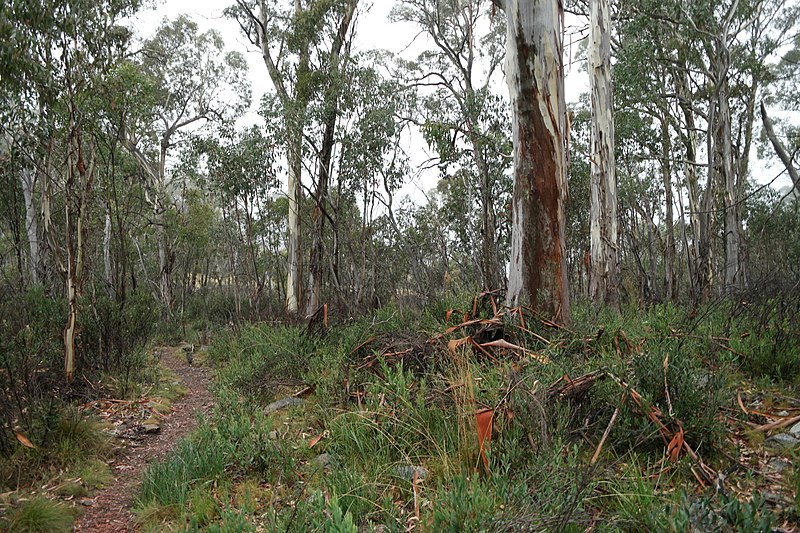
column 642, row 421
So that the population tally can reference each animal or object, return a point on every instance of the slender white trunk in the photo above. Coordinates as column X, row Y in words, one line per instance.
column 159, row 209
column 604, row 274
column 107, row 253
column 295, row 198
column 734, row 271
column 28, row 181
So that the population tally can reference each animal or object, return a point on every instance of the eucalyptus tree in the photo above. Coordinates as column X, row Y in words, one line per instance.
column 194, row 81
column 54, row 57
column 604, row 275
column 697, row 69
column 288, row 34
column 242, row 173
column 784, row 140
column 369, row 169
column 460, row 71
column 335, row 59
column 535, row 76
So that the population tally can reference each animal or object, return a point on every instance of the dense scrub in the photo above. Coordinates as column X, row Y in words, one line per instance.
column 387, row 436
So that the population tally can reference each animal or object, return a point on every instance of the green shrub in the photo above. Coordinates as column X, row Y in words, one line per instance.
column 40, row 515
column 468, row 504
column 233, row 444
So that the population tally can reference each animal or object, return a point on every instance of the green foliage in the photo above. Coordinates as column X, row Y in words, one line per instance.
column 467, row 505
column 764, row 336
column 262, row 357
column 40, row 515
column 115, row 335
column 234, row 443
column 339, row 521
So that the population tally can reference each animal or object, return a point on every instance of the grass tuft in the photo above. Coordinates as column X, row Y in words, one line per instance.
column 40, row 515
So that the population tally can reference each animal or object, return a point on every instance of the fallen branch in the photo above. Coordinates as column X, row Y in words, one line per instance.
column 779, row 424
column 605, row 436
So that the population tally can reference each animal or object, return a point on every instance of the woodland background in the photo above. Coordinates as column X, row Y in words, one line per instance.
column 133, row 208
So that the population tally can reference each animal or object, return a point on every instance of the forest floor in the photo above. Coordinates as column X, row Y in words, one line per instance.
column 110, row 509
column 439, row 422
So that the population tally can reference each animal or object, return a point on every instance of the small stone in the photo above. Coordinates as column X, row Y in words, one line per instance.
column 782, row 441
column 283, row 404
column 777, row 499
column 323, row 460
column 86, row 502
column 783, row 413
column 795, row 430
column 151, row 428
column 776, row 465
column 407, row 472
column 273, row 435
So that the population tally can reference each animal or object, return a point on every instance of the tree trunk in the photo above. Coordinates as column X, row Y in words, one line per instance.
column 31, row 224
column 107, row 253
column 535, row 76
column 780, row 149
column 492, row 277
column 670, row 287
column 77, row 190
column 699, row 260
column 164, row 253
column 734, row 272
column 604, row 275
column 295, row 130
column 316, row 265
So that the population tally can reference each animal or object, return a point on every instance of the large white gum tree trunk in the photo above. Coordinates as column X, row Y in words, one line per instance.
column 604, row 274
column 535, row 77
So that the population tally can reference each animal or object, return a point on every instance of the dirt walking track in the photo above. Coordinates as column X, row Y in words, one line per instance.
column 110, row 509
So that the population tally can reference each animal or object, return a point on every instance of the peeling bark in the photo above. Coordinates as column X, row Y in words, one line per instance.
column 604, row 240
column 535, row 76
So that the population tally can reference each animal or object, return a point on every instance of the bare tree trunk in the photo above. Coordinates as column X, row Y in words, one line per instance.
column 734, row 274
column 780, row 149
column 107, row 253
column 492, row 276
column 164, row 252
column 604, row 276
column 700, row 205
column 77, row 190
column 316, row 265
column 294, row 129
column 534, row 70
column 670, row 287
column 27, row 181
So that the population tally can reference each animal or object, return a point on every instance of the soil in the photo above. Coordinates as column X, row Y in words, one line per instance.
column 110, row 509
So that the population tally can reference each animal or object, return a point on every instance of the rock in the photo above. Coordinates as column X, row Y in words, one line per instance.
column 323, row 460
column 86, row 502
column 777, row 499
column 776, row 465
column 795, row 430
column 407, row 472
column 783, row 413
column 283, row 404
column 782, row 441
column 151, row 428
column 273, row 435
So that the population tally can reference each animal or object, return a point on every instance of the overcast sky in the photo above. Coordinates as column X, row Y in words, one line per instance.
column 374, row 31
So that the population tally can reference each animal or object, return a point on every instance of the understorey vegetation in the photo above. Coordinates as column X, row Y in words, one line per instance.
column 532, row 267
column 462, row 419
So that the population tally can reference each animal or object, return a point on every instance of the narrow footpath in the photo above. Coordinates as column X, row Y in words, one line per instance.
column 110, row 509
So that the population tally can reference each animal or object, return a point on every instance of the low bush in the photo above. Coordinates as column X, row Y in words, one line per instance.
column 40, row 515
